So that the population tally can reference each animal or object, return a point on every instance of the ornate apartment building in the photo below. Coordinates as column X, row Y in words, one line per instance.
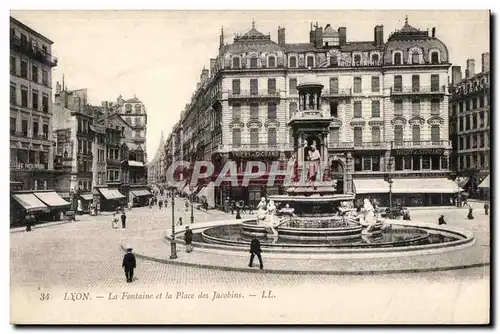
column 31, row 151
column 156, row 166
column 470, row 122
column 388, row 100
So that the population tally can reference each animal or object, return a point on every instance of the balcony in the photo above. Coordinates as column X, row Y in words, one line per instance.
column 32, row 52
column 422, row 144
column 418, row 90
column 113, row 162
column 254, row 147
column 43, row 136
column 251, row 94
column 371, row 146
column 24, row 166
column 336, row 93
column 19, row 134
column 341, row 146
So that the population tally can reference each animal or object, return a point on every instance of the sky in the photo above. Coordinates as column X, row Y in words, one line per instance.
column 158, row 55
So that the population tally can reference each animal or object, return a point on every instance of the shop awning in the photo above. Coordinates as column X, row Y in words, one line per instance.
column 370, row 186
column 52, row 199
column 141, row 192
column 462, row 181
column 485, row 183
column 111, row 193
column 425, row 185
column 30, row 202
column 87, row 197
column 64, row 195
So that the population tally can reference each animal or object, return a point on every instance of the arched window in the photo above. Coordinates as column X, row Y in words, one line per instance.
column 253, row 62
column 271, row 62
column 375, row 58
column 293, row 61
column 397, row 58
column 236, row 62
column 138, row 108
column 310, row 61
column 128, row 108
column 357, row 60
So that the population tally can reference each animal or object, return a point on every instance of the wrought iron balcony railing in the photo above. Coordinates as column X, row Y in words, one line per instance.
column 31, row 51
column 422, row 143
column 336, row 92
column 254, row 94
column 418, row 90
column 254, row 147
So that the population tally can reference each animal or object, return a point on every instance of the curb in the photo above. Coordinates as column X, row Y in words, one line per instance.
column 36, row 227
column 298, row 272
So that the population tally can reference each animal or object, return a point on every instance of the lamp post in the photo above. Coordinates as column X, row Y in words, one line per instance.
column 389, row 180
column 191, row 194
column 173, row 243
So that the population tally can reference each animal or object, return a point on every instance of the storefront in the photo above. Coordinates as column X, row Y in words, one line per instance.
column 376, row 190
column 140, row 197
column 112, row 199
column 484, row 189
column 23, row 204
column 85, row 201
column 424, row 191
column 56, row 204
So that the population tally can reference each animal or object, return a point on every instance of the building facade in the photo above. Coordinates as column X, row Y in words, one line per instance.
column 156, row 167
column 31, row 150
column 388, row 100
column 470, row 122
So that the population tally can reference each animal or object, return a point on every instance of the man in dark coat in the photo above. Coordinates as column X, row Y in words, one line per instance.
column 29, row 222
column 255, row 250
column 486, row 208
column 124, row 219
column 470, row 215
column 441, row 220
column 188, row 238
column 129, row 265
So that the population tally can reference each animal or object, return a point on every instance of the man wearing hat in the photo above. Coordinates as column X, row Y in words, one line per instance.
column 129, row 265
column 188, row 239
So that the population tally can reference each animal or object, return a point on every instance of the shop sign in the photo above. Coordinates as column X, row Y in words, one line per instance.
column 419, row 151
column 255, row 154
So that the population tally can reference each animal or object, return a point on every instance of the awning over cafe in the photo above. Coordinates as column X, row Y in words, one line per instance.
column 141, row 192
column 370, row 186
column 485, row 183
column 133, row 163
column 462, row 181
column 111, row 193
column 87, row 197
column 425, row 185
column 30, row 202
column 51, row 199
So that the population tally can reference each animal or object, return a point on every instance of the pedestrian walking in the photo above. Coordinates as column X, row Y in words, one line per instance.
column 180, row 221
column 29, row 219
column 188, row 239
column 114, row 221
column 470, row 216
column 486, row 208
column 186, row 205
column 441, row 220
column 238, row 215
column 129, row 265
column 255, row 250
column 124, row 219
column 160, row 203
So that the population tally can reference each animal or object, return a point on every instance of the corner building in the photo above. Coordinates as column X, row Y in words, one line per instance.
column 388, row 101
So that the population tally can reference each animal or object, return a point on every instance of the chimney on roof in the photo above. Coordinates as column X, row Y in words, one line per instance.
column 281, row 36
column 213, row 63
column 485, row 62
column 456, row 74
column 434, row 32
column 342, row 36
column 471, row 67
column 312, row 35
column 378, row 35
column 204, row 75
column 105, row 112
column 319, row 37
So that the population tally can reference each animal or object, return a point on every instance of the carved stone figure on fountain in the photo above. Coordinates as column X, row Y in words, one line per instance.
column 367, row 219
column 262, row 209
column 314, row 162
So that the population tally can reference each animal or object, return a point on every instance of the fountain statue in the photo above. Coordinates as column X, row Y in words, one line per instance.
column 367, row 217
column 261, row 209
column 314, row 162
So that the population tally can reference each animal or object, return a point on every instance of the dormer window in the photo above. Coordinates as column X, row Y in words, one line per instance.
column 334, row 61
column 271, row 62
column 375, row 58
column 415, row 58
column 236, row 62
column 357, row 59
column 128, row 108
column 138, row 108
column 293, row 61
column 253, row 62
column 434, row 57
column 398, row 57
column 310, row 61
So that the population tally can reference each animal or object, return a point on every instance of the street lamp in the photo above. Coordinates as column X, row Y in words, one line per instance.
column 173, row 243
column 389, row 180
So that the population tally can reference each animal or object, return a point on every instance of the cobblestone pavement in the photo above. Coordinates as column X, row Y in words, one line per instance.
column 87, row 254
